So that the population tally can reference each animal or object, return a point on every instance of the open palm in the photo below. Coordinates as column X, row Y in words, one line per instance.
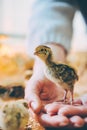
column 40, row 92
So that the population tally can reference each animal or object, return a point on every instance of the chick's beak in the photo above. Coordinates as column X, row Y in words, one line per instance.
column 35, row 53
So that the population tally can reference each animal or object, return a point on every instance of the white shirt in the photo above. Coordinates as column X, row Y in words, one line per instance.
column 50, row 21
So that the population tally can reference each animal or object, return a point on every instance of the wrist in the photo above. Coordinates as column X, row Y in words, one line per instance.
column 38, row 70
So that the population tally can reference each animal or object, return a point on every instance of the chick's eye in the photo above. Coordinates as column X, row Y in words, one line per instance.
column 42, row 49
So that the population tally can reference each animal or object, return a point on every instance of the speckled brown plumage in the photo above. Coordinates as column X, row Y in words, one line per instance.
column 58, row 73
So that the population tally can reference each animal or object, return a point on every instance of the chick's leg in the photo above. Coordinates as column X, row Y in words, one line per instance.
column 64, row 99
column 72, row 98
column 65, row 96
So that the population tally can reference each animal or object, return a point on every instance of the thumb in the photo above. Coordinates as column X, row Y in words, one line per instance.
column 32, row 91
column 34, row 101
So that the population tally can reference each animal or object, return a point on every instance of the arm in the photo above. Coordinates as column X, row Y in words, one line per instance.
column 50, row 21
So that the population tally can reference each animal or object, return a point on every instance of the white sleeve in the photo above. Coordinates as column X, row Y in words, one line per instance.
column 50, row 21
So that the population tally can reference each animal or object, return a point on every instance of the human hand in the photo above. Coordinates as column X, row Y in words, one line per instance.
column 39, row 90
column 58, row 115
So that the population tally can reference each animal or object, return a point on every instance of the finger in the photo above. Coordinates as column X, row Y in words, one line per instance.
column 53, row 108
column 34, row 102
column 85, row 119
column 53, row 121
column 78, row 102
column 84, row 99
column 70, row 110
column 32, row 96
column 77, row 121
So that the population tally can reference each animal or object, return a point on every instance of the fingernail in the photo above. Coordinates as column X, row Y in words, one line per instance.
column 78, row 125
column 35, row 107
column 63, row 124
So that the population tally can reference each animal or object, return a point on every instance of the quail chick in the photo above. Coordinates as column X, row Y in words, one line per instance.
column 14, row 115
column 58, row 73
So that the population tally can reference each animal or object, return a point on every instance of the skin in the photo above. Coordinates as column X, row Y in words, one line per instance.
column 43, row 101
column 70, row 116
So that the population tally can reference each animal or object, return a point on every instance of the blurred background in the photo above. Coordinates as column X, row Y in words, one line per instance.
column 14, row 17
column 14, row 61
